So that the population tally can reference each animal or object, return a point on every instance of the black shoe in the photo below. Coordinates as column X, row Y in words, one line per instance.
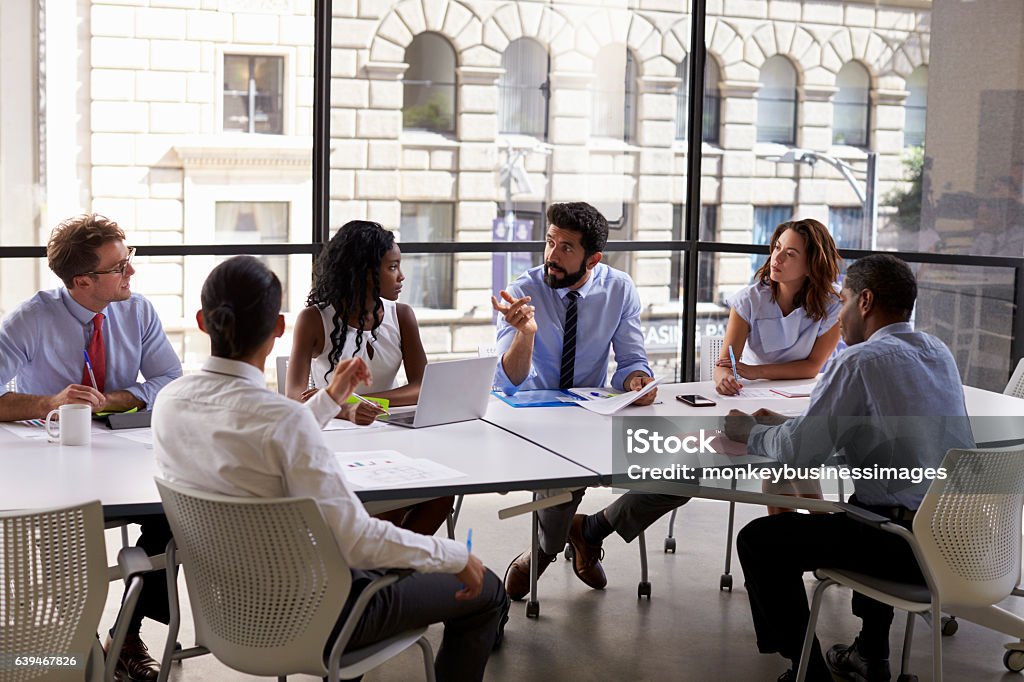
column 848, row 663
column 500, row 637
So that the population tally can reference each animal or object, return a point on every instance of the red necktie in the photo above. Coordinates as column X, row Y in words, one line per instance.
column 97, row 356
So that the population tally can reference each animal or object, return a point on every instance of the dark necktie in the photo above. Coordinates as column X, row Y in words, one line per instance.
column 97, row 356
column 565, row 377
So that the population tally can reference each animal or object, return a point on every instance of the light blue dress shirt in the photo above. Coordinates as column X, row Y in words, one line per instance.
column 608, row 316
column 895, row 400
column 42, row 340
column 776, row 338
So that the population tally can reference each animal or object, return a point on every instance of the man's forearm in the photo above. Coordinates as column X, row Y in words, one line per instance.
column 122, row 401
column 517, row 359
column 15, row 406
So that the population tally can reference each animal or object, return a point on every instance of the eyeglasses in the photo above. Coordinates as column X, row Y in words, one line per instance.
column 118, row 269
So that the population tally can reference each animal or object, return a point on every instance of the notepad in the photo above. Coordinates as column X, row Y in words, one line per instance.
column 610, row 406
column 801, row 391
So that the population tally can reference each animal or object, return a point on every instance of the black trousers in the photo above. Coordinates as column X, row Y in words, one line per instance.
column 775, row 552
column 470, row 627
column 153, row 598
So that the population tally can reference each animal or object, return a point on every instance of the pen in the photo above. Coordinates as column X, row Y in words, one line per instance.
column 469, row 540
column 88, row 365
column 371, row 403
column 595, row 394
column 732, row 360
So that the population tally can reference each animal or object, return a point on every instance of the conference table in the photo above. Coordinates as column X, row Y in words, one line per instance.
column 118, row 467
column 545, row 450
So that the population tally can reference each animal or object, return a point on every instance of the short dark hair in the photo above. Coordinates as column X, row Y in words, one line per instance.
column 72, row 248
column 889, row 279
column 241, row 301
column 581, row 217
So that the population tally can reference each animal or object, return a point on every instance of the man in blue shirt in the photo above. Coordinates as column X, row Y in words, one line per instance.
column 41, row 348
column 557, row 325
column 893, row 400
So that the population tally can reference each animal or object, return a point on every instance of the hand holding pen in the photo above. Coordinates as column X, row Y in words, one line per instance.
column 472, row 576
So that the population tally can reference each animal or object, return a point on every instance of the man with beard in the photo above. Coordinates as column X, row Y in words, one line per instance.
column 558, row 321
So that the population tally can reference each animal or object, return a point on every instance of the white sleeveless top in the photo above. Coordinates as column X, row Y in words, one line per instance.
column 387, row 350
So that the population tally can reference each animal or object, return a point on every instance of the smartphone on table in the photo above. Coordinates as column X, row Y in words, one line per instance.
column 694, row 400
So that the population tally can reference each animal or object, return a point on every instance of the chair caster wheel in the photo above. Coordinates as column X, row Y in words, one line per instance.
column 1014, row 661
column 532, row 609
column 569, row 552
column 670, row 545
column 949, row 626
column 725, row 582
column 643, row 590
column 906, row 678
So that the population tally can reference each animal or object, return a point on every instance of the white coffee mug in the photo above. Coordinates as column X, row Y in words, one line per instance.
column 74, row 426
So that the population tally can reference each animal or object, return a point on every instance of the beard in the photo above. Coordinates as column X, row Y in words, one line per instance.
column 566, row 280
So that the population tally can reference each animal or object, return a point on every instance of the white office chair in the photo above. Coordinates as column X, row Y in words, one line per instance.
column 1015, row 386
column 967, row 541
column 267, row 583
column 54, row 578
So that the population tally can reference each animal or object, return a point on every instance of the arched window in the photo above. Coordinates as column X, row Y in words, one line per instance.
column 711, row 100
column 776, row 102
column 851, row 107
column 613, row 98
column 914, row 108
column 429, row 86
column 524, row 89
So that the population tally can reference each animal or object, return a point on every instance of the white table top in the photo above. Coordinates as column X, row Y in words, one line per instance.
column 119, row 472
column 586, row 438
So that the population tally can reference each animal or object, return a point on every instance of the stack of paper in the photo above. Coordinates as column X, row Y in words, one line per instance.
column 612, row 405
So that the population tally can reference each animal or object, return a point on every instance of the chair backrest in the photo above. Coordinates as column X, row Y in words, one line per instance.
column 710, row 351
column 265, row 578
column 53, row 586
column 969, row 526
column 1015, row 386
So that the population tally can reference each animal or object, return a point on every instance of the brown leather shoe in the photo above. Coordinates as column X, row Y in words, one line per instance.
column 135, row 663
column 586, row 563
column 517, row 575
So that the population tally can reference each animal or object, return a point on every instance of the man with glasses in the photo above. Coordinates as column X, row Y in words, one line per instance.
column 44, row 343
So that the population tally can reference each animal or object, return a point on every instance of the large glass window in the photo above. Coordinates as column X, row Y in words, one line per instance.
column 524, row 89
column 766, row 219
column 429, row 92
column 254, row 94
column 613, row 102
column 256, row 222
column 710, row 122
column 914, row 107
column 776, row 102
column 429, row 278
column 846, row 225
column 851, row 107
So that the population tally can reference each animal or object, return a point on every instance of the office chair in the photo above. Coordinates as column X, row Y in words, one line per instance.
column 267, row 583
column 967, row 541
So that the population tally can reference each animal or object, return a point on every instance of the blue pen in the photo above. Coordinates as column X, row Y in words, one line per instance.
column 469, row 540
column 732, row 359
column 88, row 365
column 595, row 394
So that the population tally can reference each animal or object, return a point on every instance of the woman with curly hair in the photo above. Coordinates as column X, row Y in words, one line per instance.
column 353, row 311
column 785, row 324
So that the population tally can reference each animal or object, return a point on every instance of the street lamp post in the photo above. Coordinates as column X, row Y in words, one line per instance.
column 867, row 195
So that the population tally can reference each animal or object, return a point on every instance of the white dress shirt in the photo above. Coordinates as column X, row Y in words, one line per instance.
column 223, row 431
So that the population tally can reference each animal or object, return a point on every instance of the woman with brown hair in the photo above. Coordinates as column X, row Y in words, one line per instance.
column 785, row 324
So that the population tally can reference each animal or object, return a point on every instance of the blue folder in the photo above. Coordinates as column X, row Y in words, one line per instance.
column 538, row 398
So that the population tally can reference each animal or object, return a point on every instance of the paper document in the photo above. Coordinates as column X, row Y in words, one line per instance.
column 593, row 393
column 749, row 393
column 30, row 429
column 610, row 406
column 391, row 469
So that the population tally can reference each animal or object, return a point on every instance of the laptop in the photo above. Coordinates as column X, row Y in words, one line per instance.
column 453, row 391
